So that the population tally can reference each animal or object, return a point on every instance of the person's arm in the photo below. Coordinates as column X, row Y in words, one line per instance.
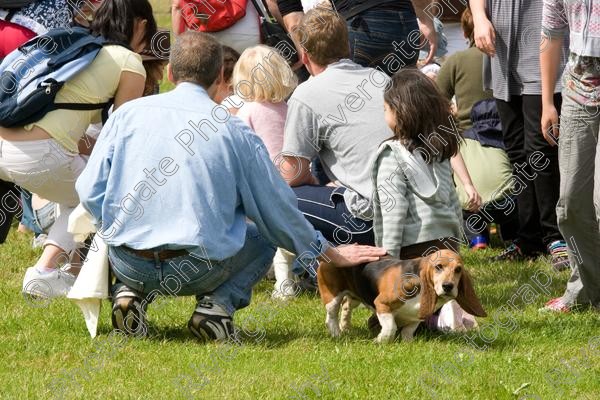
column 459, row 167
column 274, row 10
column 300, row 144
column 485, row 35
column 131, row 86
column 426, row 26
column 285, row 226
column 86, row 144
column 391, row 206
column 176, row 17
column 292, row 20
column 296, row 170
column 553, row 30
column 291, row 12
column 91, row 183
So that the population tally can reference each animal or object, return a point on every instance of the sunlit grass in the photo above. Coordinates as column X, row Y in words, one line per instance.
column 287, row 352
column 519, row 352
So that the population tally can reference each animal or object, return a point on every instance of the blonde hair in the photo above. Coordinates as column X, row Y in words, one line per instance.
column 261, row 74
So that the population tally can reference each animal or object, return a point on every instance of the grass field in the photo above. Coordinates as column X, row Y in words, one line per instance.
column 162, row 12
column 519, row 353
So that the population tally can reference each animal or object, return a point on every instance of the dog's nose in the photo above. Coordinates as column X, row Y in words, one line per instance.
column 447, row 287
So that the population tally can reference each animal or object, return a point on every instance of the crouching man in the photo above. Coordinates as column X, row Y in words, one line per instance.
column 174, row 182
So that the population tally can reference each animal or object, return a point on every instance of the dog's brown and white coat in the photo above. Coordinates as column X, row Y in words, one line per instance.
column 401, row 292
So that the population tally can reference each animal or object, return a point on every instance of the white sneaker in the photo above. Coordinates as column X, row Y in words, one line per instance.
column 47, row 285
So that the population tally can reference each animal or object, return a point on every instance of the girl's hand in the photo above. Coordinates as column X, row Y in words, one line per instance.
column 460, row 169
column 474, row 202
column 550, row 127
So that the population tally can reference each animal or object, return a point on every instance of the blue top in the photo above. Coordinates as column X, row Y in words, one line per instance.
column 175, row 170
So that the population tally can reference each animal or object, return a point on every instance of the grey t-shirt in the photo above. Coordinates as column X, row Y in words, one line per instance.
column 338, row 116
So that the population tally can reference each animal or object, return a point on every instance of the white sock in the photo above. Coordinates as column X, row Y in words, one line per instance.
column 45, row 270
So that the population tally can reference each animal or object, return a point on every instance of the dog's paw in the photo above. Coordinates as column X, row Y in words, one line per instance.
column 334, row 330
column 345, row 326
column 382, row 339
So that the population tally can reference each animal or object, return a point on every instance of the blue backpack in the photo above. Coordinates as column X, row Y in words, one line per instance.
column 31, row 75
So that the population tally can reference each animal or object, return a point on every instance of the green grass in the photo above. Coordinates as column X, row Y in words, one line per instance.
column 162, row 12
column 46, row 351
column 287, row 352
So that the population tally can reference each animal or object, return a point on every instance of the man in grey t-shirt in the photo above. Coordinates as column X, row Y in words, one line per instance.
column 337, row 116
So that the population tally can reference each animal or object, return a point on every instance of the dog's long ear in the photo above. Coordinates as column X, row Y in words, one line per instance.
column 428, row 295
column 467, row 298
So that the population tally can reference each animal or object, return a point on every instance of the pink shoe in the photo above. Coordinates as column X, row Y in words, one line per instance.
column 556, row 305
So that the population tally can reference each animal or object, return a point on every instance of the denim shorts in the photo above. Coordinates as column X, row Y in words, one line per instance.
column 40, row 220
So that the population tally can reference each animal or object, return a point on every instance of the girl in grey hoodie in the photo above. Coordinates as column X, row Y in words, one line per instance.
column 415, row 202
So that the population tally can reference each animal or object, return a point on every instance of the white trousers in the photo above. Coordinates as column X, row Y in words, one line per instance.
column 47, row 169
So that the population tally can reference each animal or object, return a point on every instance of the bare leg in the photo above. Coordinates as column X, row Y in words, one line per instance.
column 23, row 229
column 75, row 262
column 52, row 257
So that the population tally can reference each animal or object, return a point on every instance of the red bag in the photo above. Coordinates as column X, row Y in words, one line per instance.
column 212, row 15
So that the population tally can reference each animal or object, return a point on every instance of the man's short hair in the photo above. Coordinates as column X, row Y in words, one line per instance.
column 323, row 34
column 196, row 57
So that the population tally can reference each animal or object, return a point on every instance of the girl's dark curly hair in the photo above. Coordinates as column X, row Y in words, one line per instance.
column 114, row 20
column 420, row 109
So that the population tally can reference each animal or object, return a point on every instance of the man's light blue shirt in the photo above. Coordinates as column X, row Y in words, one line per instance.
column 175, row 170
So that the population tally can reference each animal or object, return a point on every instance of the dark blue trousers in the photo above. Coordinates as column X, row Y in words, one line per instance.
column 325, row 209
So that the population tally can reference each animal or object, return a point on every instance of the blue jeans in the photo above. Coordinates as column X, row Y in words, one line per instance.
column 227, row 283
column 372, row 35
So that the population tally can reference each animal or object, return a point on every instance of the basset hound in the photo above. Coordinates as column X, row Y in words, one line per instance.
column 402, row 292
